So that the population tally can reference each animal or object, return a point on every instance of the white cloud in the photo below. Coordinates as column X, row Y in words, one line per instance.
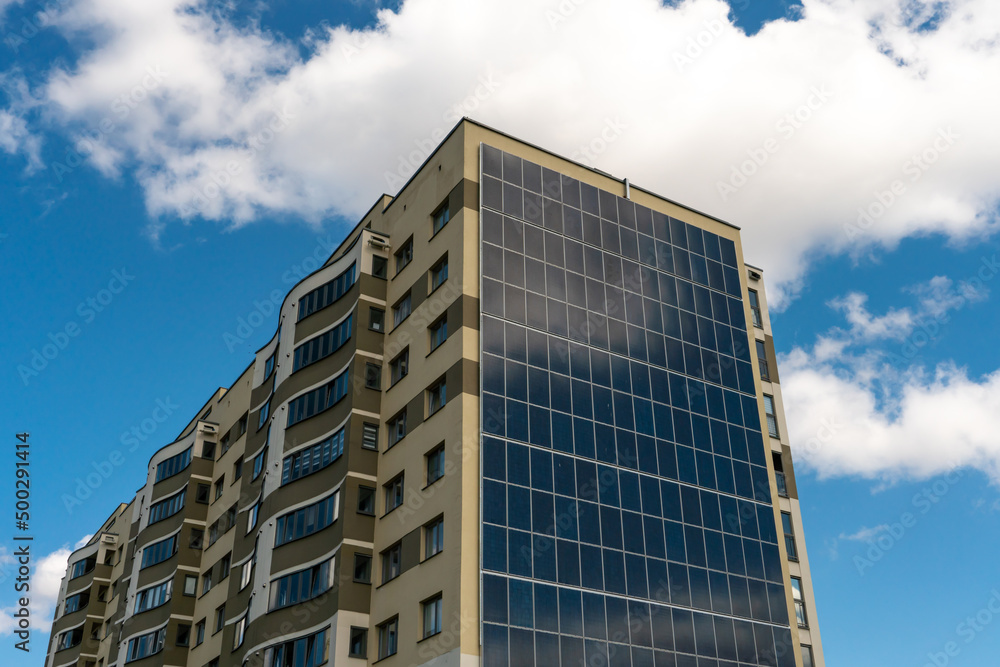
column 45, row 581
column 15, row 137
column 697, row 98
column 865, row 534
column 854, row 408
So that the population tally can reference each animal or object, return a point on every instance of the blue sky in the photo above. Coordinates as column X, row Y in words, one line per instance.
column 789, row 121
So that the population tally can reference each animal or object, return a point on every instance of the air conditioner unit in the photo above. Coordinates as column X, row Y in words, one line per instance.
column 378, row 242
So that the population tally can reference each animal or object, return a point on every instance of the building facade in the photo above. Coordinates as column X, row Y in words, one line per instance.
column 525, row 414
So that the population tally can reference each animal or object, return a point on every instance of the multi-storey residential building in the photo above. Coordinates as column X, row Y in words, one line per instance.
column 515, row 419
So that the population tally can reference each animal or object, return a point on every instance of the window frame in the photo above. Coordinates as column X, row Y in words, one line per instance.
column 369, row 429
column 434, row 454
column 376, row 324
column 788, row 530
column 362, row 556
column 403, row 256
column 395, row 488
column 399, row 313
column 363, row 634
column 438, row 332
column 753, row 299
column 438, row 274
column 388, row 637
column 435, row 606
column 373, row 376
column 437, row 397
column 395, row 424
column 433, row 536
column 771, row 416
column 399, row 367
column 384, row 273
column 441, row 214
column 392, row 562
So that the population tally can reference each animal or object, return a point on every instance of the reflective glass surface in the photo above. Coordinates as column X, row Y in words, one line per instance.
column 626, row 506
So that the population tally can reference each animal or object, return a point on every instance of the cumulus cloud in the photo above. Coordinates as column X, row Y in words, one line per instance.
column 15, row 137
column 858, row 409
column 45, row 581
column 858, row 125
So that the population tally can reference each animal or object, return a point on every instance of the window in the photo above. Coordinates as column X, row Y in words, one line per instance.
column 755, row 309
column 439, row 332
column 358, row 646
column 394, row 494
column 322, row 346
column 434, row 537
column 242, row 427
column 145, row 645
column 157, row 552
column 206, row 582
column 102, row 593
column 202, row 493
column 432, row 616
column 399, row 367
column 391, row 562
column 173, row 465
column 323, row 296
column 258, row 463
column 220, row 618
column 190, row 584
column 302, row 585
column 264, row 412
column 269, row 366
column 779, row 475
column 401, row 310
column 800, row 606
column 437, row 396
column 222, row 525
column 224, row 442
column 313, row 402
column 380, row 266
column 397, row 428
column 404, row 255
column 239, row 631
column 167, row 507
column 208, row 450
column 435, row 464
column 762, row 361
column 76, row 602
column 246, row 571
column 439, row 273
column 237, row 469
column 772, row 420
column 786, row 525
column 82, row 567
column 387, row 637
column 220, row 486
column 153, row 597
column 376, row 319
column 225, row 564
column 807, row 656
column 373, row 376
column 369, row 435
column 69, row 639
column 362, row 568
column 199, row 632
column 252, row 514
column 440, row 218
column 366, row 500
column 183, row 635
column 303, row 652
column 312, row 459
column 307, row 520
